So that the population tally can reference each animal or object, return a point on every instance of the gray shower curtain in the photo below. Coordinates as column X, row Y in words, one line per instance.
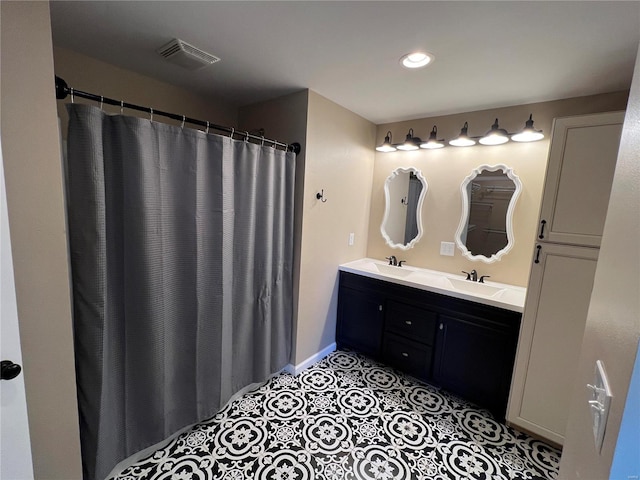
column 181, row 254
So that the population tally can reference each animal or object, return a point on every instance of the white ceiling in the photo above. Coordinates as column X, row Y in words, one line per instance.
column 488, row 54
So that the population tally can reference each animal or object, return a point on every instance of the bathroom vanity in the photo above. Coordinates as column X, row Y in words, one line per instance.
column 440, row 328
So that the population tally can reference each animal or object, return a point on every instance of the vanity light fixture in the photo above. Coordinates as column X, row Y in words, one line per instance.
column 463, row 140
column 410, row 143
column 528, row 134
column 386, row 145
column 433, row 141
column 416, row 59
column 495, row 136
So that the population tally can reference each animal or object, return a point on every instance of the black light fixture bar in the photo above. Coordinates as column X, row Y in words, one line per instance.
column 491, row 138
column 63, row 90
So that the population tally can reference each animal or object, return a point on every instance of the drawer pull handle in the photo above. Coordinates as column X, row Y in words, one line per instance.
column 538, row 248
column 408, row 322
column 405, row 354
column 441, row 326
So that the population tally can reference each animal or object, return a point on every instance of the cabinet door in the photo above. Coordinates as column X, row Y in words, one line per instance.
column 360, row 320
column 552, row 329
column 474, row 359
column 582, row 160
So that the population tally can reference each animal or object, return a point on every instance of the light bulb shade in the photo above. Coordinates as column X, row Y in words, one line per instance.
column 528, row 133
column 495, row 136
column 386, row 145
column 433, row 141
column 463, row 140
column 410, row 143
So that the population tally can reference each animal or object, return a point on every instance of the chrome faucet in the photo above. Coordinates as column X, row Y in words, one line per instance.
column 392, row 260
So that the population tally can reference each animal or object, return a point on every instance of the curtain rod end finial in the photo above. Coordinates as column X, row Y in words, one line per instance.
column 61, row 88
column 295, row 148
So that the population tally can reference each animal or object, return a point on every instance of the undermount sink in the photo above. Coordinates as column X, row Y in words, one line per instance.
column 475, row 287
column 393, row 270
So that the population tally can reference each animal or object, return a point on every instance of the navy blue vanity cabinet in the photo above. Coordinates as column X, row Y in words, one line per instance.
column 464, row 347
column 475, row 355
column 360, row 315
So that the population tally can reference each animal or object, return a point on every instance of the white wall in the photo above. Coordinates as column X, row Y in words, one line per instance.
column 31, row 153
column 613, row 324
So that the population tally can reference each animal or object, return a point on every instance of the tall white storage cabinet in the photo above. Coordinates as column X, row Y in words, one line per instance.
column 578, row 182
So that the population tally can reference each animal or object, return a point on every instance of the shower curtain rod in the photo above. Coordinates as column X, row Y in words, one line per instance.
column 63, row 90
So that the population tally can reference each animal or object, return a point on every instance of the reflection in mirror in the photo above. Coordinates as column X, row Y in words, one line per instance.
column 489, row 197
column 404, row 191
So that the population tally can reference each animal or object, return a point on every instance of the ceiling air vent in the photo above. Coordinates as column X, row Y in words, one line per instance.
column 186, row 55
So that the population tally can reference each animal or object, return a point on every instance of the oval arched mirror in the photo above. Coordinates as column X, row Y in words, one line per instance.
column 489, row 197
column 404, row 191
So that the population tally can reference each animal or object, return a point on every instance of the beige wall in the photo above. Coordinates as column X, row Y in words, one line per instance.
column 94, row 76
column 613, row 326
column 285, row 119
column 445, row 169
column 31, row 147
column 339, row 160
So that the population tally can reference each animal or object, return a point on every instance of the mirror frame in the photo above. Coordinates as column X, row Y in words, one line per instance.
column 387, row 210
column 508, row 171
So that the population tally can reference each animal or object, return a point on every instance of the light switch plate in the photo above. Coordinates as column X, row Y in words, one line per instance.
column 447, row 248
column 352, row 238
column 599, row 403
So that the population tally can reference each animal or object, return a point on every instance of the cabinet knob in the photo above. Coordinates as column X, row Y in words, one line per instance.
column 408, row 322
column 380, row 307
column 405, row 354
column 441, row 326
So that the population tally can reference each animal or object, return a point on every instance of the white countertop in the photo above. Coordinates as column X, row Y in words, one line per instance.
column 501, row 295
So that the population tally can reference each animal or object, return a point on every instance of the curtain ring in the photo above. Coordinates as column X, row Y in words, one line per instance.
column 183, row 119
column 207, row 132
column 233, row 131
column 262, row 142
column 101, row 102
column 151, row 114
column 246, row 136
column 121, row 107
column 72, row 99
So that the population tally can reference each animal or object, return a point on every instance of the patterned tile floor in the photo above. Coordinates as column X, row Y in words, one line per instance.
column 348, row 417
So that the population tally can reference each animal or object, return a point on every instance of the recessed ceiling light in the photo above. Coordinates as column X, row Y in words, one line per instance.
column 416, row 59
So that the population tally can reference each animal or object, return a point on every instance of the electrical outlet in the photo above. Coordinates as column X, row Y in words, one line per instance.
column 447, row 248
column 352, row 239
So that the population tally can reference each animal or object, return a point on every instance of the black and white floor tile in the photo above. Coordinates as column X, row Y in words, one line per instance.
column 348, row 417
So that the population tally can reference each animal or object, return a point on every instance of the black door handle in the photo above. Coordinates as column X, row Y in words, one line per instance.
column 9, row 370
column 542, row 224
column 537, row 260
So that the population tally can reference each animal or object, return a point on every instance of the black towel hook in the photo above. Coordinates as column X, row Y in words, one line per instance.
column 320, row 196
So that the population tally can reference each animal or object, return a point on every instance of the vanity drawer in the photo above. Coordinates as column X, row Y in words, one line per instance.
column 411, row 357
column 410, row 321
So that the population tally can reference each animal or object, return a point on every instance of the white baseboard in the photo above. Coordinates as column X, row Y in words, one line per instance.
column 315, row 358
